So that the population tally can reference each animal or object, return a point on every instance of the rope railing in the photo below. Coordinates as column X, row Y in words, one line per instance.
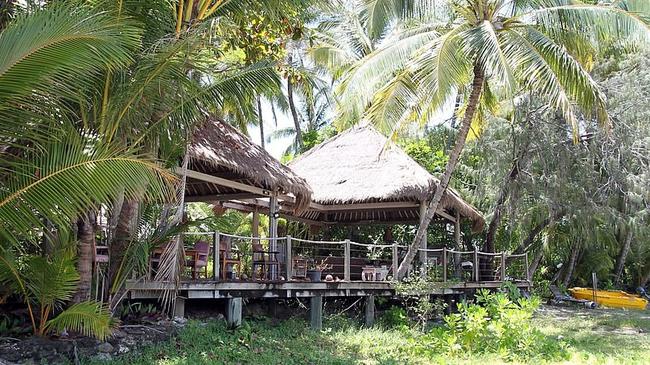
column 288, row 258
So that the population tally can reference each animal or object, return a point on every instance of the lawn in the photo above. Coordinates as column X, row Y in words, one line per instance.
column 586, row 337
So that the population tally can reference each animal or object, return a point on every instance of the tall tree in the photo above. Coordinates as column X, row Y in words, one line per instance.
column 491, row 48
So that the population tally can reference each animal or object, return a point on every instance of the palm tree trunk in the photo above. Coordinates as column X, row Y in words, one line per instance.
column 645, row 278
column 86, row 244
column 573, row 260
column 261, row 121
column 622, row 257
column 474, row 98
column 535, row 263
column 294, row 113
column 528, row 242
column 122, row 237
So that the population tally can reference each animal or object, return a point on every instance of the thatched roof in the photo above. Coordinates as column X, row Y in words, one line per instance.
column 361, row 166
column 219, row 149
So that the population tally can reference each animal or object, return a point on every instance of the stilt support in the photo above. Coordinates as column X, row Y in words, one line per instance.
column 233, row 312
column 370, row 310
column 316, row 312
column 179, row 307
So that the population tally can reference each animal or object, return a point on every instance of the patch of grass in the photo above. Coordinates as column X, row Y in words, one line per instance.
column 590, row 337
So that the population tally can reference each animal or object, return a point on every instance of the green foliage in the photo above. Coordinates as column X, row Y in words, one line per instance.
column 46, row 283
column 584, row 337
column 495, row 324
column 88, row 318
column 395, row 317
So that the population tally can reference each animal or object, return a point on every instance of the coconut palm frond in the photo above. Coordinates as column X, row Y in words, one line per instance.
column 625, row 21
column 84, row 172
column 44, row 54
column 365, row 78
column 88, row 318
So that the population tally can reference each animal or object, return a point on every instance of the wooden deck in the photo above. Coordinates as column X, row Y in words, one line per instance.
column 207, row 289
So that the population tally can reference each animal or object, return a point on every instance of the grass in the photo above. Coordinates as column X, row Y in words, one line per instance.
column 587, row 336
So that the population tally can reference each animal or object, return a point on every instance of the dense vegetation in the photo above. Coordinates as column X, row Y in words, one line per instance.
column 565, row 335
column 536, row 110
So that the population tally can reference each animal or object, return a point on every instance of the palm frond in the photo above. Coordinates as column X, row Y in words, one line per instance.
column 44, row 54
column 71, row 175
column 377, row 68
column 88, row 318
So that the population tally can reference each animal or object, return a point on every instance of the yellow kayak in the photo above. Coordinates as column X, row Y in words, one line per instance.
column 610, row 298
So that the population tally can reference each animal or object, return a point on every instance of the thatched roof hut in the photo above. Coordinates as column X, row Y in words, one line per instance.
column 225, row 165
column 358, row 176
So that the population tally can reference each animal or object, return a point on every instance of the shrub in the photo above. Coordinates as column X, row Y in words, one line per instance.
column 395, row 317
column 495, row 324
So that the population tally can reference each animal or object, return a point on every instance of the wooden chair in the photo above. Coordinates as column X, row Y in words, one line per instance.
column 228, row 257
column 263, row 261
column 198, row 259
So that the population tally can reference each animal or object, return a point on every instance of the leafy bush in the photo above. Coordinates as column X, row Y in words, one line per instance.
column 395, row 317
column 495, row 324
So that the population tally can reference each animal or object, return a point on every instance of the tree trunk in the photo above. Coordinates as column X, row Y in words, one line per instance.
column 573, row 260
column 477, row 88
column 261, row 121
column 503, row 196
column 528, row 242
column 535, row 263
column 120, row 243
column 620, row 262
column 645, row 278
column 294, row 113
column 85, row 244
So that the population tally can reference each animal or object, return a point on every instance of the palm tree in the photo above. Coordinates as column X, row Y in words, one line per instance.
column 491, row 48
column 53, row 171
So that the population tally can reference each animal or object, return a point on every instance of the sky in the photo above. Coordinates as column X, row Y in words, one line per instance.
column 276, row 147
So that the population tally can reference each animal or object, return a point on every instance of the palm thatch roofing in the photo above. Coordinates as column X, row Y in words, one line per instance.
column 220, row 150
column 360, row 166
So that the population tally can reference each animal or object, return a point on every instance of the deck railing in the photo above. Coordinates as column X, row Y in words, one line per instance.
column 348, row 259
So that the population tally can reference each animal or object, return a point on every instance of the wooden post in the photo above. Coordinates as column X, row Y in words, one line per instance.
column 316, row 312
column 370, row 310
column 215, row 256
column 288, row 259
column 395, row 261
column 179, row 307
column 503, row 266
column 476, row 264
column 273, row 231
column 256, row 223
column 444, row 264
column 457, row 230
column 233, row 312
column 423, row 246
column 346, row 261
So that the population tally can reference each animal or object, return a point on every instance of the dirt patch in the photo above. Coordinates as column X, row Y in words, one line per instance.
column 72, row 349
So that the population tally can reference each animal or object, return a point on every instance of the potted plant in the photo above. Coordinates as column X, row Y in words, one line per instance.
column 315, row 270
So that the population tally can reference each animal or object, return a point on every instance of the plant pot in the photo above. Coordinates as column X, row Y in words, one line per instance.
column 314, row 275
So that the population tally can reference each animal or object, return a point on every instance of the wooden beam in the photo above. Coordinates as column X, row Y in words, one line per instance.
column 223, row 182
column 220, row 197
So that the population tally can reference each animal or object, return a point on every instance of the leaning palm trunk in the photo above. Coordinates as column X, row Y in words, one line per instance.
column 622, row 257
column 85, row 245
column 573, row 261
column 536, row 261
column 477, row 88
column 294, row 112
